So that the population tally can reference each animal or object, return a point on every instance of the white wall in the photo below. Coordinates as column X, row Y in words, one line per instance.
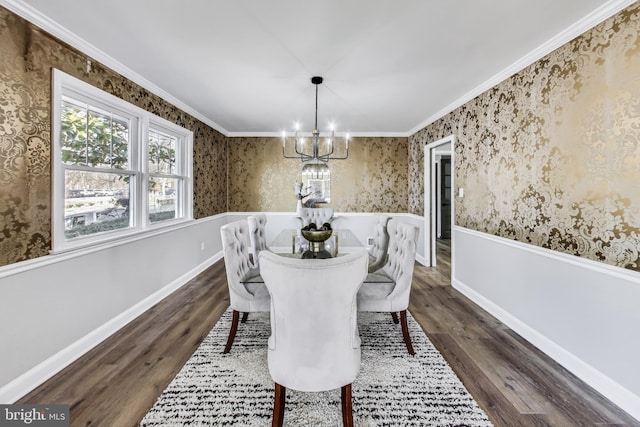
column 55, row 308
column 582, row 313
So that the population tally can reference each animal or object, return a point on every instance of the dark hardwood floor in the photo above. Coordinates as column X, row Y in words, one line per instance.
column 119, row 380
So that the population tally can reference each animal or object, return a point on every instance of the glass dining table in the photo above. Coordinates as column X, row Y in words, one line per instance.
column 291, row 243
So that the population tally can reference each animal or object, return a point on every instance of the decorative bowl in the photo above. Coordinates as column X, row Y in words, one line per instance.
column 316, row 235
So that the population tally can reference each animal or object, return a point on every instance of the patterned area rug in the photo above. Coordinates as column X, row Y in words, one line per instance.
column 392, row 388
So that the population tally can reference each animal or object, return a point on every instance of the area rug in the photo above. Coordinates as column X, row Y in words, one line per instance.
column 392, row 388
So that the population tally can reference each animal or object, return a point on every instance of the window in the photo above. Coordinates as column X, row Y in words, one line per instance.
column 117, row 169
column 165, row 180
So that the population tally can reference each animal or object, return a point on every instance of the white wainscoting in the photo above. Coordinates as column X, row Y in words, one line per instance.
column 55, row 308
column 584, row 314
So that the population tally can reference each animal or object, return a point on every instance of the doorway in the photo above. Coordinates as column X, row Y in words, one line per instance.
column 443, row 196
column 438, row 197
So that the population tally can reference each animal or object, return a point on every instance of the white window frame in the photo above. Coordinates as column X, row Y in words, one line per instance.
column 141, row 120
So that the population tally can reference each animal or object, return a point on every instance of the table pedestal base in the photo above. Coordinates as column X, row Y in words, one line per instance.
column 320, row 254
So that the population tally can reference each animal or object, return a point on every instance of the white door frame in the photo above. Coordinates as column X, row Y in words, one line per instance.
column 430, row 201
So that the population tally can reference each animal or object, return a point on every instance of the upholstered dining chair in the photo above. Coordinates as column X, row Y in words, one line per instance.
column 318, row 216
column 314, row 344
column 378, row 251
column 257, row 236
column 244, row 298
column 394, row 297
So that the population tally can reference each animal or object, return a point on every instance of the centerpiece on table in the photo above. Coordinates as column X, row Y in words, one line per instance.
column 316, row 237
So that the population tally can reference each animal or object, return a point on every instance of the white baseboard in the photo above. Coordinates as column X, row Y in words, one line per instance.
column 26, row 382
column 594, row 377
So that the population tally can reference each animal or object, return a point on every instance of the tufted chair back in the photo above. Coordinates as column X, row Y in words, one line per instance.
column 394, row 297
column 257, row 235
column 314, row 344
column 378, row 251
column 403, row 241
column 243, row 298
column 318, row 216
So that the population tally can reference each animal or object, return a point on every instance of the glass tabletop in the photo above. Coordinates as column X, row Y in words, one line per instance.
column 378, row 276
column 290, row 243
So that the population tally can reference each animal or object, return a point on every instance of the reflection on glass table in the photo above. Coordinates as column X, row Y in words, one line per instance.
column 290, row 243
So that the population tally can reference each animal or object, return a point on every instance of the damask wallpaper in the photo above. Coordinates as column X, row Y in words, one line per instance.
column 27, row 56
column 551, row 156
column 373, row 178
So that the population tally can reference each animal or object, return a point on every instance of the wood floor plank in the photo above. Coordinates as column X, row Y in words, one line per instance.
column 551, row 378
column 117, row 382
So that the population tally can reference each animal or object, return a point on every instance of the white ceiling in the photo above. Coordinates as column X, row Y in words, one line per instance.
column 389, row 66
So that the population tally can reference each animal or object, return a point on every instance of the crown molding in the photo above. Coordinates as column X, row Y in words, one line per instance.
column 47, row 24
column 338, row 134
column 602, row 13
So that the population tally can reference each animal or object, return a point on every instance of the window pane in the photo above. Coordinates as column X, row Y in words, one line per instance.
column 74, row 134
column 163, row 193
column 93, row 138
column 162, row 152
column 95, row 202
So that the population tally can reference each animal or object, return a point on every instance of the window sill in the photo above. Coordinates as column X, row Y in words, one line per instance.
column 115, row 239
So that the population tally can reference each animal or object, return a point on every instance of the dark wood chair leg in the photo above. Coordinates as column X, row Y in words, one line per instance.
column 245, row 316
column 405, row 332
column 232, row 331
column 278, row 406
column 347, row 410
column 394, row 316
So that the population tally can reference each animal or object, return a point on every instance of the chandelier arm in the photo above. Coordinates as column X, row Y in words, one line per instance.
column 346, row 156
column 299, row 155
column 329, row 156
column 300, row 152
column 326, row 157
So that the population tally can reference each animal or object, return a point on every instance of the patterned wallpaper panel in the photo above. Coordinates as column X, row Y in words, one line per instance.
column 373, row 178
column 27, row 56
column 551, row 156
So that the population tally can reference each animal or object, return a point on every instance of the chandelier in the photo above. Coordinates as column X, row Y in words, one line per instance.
column 316, row 151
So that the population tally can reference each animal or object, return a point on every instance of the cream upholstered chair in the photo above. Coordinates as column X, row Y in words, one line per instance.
column 244, row 298
column 394, row 297
column 318, row 216
column 314, row 344
column 378, row 251
column 257, row 236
